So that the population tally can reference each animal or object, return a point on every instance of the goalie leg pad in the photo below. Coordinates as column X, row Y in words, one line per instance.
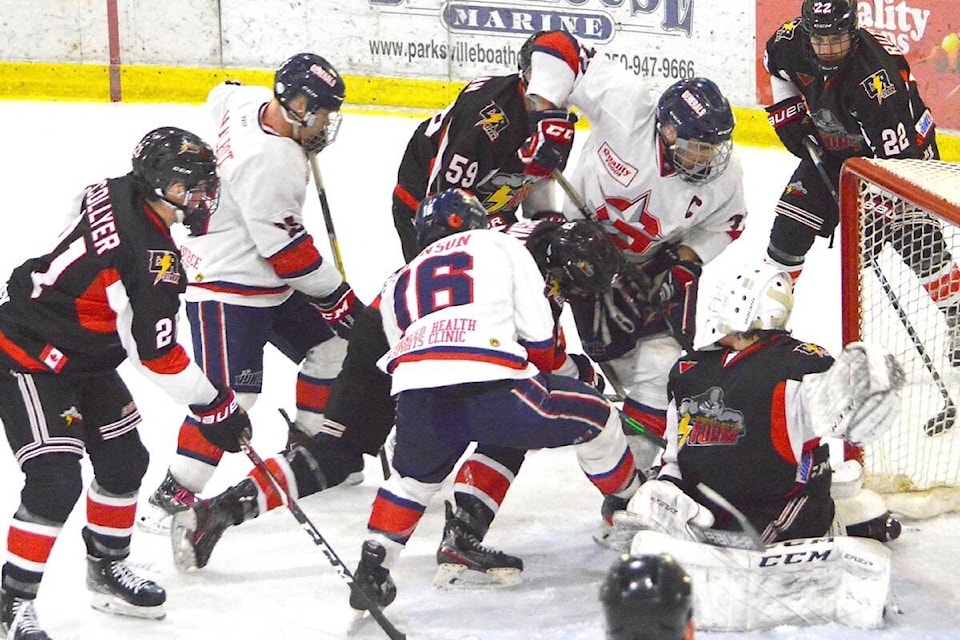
column 804, row 582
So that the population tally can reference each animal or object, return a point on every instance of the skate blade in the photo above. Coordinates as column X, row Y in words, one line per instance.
column 119, row 607
column 457, row 576
column 154, row 520
column 620, row 536
column 183, row 526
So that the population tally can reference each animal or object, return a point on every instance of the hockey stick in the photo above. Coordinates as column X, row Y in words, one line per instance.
column 747, row 538
column 375, row 611
column 337, row 260
column 943, row 421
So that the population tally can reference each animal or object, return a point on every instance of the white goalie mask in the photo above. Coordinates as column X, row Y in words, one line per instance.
column 750, row 299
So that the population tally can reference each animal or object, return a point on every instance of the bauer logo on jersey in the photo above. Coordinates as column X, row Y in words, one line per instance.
column 810, row 349
column 878, row 86
column 786, row 31
column 493, row 121
column 165, row 265
column 706, row 421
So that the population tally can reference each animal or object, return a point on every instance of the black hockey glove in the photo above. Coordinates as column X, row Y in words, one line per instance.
column 340, row 309
column 793, row 125
column 223, row 422
column 550, row 141
column 586, row 372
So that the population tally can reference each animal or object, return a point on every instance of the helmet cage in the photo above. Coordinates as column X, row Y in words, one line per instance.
column 695, row 123
column 699, row 162
column 831, row 28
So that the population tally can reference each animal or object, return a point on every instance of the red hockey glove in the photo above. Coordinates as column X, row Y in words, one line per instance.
column 549, row 144
column 223, row 422
column 340, row 309
column 586, row 372
column 793, row 125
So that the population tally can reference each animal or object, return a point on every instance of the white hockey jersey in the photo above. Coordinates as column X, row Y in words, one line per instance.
column 255, row 247
column 469, row 308
column 621, row 173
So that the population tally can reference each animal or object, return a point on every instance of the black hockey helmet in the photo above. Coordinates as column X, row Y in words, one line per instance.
column 526, row 51
column 831, row 27
column 304, row 84
column 647, row 597
column 167, row 156
column 446, row 213
column 581, row 258
column 695, row 122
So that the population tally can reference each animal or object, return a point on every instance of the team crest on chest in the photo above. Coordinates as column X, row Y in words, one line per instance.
column 492, row 121
column 878, row 86
column 705, row 420
column 166, row 267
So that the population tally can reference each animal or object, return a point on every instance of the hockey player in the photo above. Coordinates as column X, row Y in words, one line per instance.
column 473, row 144
column 472, row 342
column 110, row 290
column 254, row 274
column 660, row 174
column 575, row 258
column 762, row 402
column 648, row 597
column 849, row 92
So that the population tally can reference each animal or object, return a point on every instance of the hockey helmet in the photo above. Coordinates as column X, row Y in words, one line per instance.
column 695, row 122
column 751, row 299
column 581, row 258
column 831, row 28
column 303, row 85
column 167, row 156
column 446, row 213
column 647, row 597
column 526, row 53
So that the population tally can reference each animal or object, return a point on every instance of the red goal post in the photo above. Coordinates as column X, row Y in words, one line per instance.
column 899, row 220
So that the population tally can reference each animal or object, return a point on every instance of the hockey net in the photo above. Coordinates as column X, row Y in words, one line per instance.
column 900, row 221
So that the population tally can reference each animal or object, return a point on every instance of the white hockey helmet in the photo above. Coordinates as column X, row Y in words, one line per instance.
column 751, row 298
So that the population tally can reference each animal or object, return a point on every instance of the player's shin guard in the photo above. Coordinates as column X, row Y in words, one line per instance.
column 607, row 461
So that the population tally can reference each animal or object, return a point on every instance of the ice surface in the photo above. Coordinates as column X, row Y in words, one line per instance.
column 266, row 578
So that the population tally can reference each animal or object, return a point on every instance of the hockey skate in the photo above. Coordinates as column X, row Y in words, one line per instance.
column 616, row 530
column 372, row 579
column 169, row 498
column 18, row 619
column 195, row 531
column 466, row 563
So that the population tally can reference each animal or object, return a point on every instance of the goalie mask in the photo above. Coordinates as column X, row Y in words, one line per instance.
column 311, row 92
column 169, row 156
column 695, row 123
column 753, row 299
column 648, row 597
column 446, row 213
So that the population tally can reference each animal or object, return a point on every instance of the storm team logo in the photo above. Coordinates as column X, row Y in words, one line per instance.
column 166, row 267
column 878, row 86
column 492, row 120
column 705, row 420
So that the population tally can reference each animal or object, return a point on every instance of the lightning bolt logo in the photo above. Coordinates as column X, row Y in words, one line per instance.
column 164, row 265
column 166, row 261
column 492, row 121
column 683, row 430
column 498, row 199
column 878, row 87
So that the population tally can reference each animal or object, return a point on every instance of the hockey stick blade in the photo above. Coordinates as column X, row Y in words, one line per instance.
column 719, row 538
column 943, row 421
column 747, row 529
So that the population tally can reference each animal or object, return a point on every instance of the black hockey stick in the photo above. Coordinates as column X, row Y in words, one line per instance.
column 943, row 421
column 747, row 538
column 375, row 611
column 337, row 260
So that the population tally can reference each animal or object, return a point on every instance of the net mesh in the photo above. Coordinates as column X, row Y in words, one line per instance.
column 906, row 297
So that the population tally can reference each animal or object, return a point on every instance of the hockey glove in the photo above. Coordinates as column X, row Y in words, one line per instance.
column 340, row 309
column 549, row 144
column 793, row 125
column 223, row 422
column 586, row 372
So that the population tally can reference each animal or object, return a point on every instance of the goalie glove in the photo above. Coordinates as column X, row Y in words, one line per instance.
column 858, row 398
column 793, row 125
column 339, row 309
column 223, row 422
column 549, row 144
column 660, row 505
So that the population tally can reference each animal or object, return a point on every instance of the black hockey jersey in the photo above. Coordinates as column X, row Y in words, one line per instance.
column 115, row 271
column 471, row 144
column 734, row 432
column 870, row 107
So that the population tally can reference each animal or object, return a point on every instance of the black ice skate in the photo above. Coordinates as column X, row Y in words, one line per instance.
column 372, row 578
column 884, row 528
column 195, row 531
column 116, row 589
column 170, row 497
column 460, row 551
column 18, row 619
